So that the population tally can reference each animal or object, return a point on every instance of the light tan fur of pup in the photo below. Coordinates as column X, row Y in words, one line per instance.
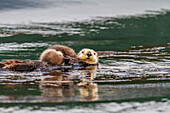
column 52, row 56
column 67, row 51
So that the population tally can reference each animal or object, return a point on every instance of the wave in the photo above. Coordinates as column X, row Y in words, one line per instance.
column 26, row 11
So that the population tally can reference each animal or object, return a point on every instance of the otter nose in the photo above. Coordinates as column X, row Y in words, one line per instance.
column 89, row 54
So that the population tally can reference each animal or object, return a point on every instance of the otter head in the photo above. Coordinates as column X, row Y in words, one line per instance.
column 89, row 56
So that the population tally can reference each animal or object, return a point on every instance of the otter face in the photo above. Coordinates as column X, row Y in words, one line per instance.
column 89, row 56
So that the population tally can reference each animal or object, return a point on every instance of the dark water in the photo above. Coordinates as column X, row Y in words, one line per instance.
column 134, row 78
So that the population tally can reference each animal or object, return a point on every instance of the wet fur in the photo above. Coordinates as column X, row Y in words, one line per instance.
column 67, row 52
column 20, row 65
column 83, row 55
column 52, row 56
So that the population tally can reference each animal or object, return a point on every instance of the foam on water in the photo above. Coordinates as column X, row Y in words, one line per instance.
column 75, row 10
column 125, row 107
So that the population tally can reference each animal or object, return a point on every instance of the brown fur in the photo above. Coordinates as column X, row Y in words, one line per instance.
column 65, row 50
column 51, row 54
column 52, row 57
column 55, row 55
column 20, row 65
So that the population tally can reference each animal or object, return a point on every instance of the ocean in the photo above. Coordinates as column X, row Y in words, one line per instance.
column 133, row 79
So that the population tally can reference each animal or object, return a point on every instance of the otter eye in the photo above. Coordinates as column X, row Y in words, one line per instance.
column 94, row 53
column 82, row 51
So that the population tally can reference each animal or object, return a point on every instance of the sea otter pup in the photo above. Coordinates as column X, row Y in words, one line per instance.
column 58, row 55
column 66, row 51
column 54, row 55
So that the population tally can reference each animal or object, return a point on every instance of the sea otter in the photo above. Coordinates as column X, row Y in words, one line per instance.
column 59, row 55
column 53, row 56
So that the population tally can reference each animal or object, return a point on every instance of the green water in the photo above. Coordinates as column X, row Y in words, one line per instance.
column 136, row 76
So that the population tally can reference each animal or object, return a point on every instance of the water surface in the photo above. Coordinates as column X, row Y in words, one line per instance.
column 133, row 78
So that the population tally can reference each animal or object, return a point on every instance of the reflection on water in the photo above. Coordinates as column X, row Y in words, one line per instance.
column 59, row 87
column 64, row 88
